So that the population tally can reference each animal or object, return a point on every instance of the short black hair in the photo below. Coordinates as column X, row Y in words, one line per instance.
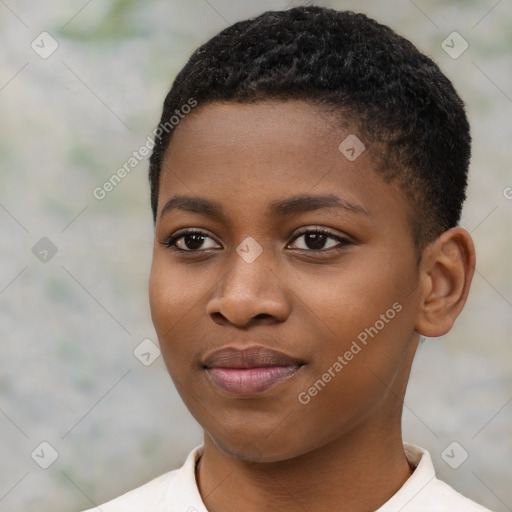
column 396, row 98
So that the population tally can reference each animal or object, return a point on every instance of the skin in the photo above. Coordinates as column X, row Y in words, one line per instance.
column 343, row 449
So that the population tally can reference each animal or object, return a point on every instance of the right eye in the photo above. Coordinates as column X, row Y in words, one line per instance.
column 187, row 241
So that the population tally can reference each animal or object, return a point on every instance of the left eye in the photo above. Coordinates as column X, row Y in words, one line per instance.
column 315, row 240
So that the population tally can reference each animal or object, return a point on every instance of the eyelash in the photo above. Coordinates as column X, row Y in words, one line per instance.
column 170, row 242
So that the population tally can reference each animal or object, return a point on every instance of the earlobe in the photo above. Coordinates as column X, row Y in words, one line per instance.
column 446, row 271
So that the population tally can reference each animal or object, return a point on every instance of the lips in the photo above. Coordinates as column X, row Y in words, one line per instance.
column 251, row 370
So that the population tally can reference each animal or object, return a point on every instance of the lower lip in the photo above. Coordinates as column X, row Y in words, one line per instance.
column 248, row 381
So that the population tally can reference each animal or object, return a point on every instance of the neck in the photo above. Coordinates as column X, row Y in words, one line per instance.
column 356, row 473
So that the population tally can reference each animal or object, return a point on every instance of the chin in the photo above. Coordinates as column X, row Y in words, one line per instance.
column 247, row 451
column 250, row 446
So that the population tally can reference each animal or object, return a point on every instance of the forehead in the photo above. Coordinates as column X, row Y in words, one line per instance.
column 221, row 130
column 255, row 154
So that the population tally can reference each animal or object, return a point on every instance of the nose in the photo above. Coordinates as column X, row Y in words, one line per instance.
column 249, row 293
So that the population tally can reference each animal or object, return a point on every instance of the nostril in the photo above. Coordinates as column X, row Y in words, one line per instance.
column 262, row 316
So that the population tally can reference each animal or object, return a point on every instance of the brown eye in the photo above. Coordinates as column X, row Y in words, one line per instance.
column 316, row 239
column 191, row 242
column 188, row 241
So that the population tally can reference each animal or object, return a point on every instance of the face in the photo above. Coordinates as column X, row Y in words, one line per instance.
column 283, row 287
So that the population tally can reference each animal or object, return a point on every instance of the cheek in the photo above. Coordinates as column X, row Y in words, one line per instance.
column 365, row 314
column 369, row 353
column 177, row 304
column 348, row 299
column 164, row 297
column 172, row 292
column 171, row 298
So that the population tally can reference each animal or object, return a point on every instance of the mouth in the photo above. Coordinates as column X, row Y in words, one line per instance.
column 251, row 370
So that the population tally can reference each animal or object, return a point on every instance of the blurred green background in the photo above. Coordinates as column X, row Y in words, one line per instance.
column 70, row 321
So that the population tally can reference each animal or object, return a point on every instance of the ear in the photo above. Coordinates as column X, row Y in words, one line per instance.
column 446, row 271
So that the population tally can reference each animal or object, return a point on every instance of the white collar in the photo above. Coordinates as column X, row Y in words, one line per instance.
column 183, row 494
column 423, row 474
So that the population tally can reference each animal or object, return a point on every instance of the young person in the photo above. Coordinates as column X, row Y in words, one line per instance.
column 306, row 203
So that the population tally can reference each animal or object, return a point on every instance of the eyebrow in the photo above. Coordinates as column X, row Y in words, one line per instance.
column 280, row 208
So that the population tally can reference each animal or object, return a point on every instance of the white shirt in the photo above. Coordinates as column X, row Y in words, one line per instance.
column 176, row 491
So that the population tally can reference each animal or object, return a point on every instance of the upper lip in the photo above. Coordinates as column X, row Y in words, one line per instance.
column 250, row 357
